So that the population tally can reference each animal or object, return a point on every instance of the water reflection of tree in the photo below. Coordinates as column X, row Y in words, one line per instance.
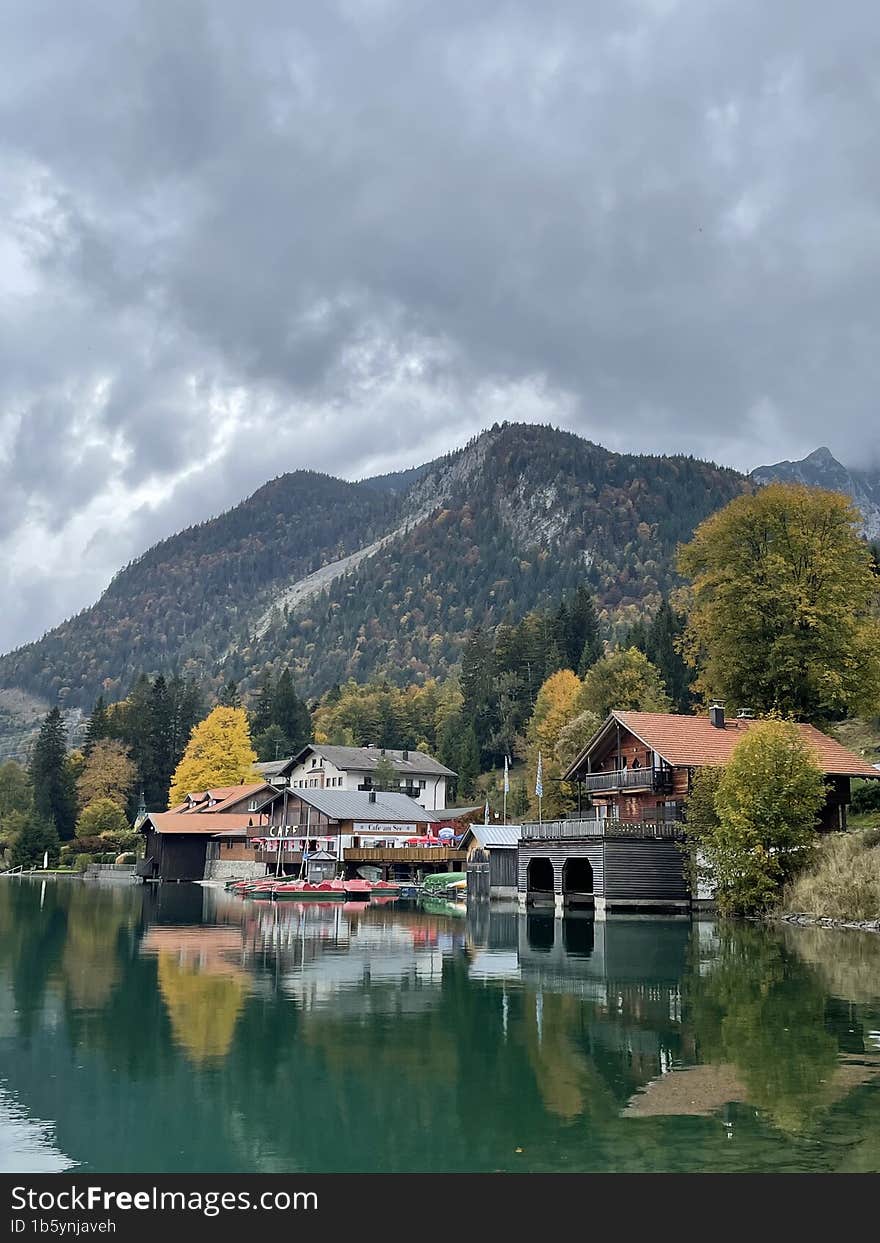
column 762, row 1009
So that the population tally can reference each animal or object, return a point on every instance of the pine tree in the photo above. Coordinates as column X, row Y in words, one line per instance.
column 584, row 637
column 290, row 714
column 261, row 715
column 161, row 755
column 477, row 666
column 468, row 762
column 98, row 726
column 662, row 642
column 188, row 708
column 52, row 779
column 229, row 696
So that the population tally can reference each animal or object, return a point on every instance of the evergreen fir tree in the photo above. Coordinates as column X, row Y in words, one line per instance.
column 98, row 726
column 52, row 777
column 261, row 715
column 229, row 696
column 188, row 706
column 585, row 632
column 290, row 714
column 161, row 754
column 468, row 764
column 661, row 648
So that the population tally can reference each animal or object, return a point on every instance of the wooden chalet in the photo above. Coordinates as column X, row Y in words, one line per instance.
column 639, row 766
column 622, row 849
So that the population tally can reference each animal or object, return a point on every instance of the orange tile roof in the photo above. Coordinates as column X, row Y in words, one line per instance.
column 186, row 822
column 224, row 797
column 693, row 741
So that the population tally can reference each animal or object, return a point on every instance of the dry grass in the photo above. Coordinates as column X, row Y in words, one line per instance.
column 843, row 880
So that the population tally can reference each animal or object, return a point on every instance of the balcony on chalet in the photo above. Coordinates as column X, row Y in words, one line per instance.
column 657, row 780
column 669, row 827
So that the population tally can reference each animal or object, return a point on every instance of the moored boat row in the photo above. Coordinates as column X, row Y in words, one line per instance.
column 273, row 887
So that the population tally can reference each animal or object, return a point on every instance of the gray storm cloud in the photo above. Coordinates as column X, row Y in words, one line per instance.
column 239, row 239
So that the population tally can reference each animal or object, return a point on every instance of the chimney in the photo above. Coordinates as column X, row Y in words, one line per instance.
column 372, row 796
column 716, row 713
column 405, row 754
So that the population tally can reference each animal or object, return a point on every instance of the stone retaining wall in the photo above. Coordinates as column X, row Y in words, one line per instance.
column 233, row 869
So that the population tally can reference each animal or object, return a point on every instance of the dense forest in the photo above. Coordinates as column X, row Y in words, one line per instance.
column 507, row 525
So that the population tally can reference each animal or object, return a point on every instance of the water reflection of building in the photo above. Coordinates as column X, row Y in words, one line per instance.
column 355, row 958
column 623, row 975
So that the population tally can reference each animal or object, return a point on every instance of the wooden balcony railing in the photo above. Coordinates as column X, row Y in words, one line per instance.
column 647, row 830
column 550, row 829
column 628, row 779
column 403, row 854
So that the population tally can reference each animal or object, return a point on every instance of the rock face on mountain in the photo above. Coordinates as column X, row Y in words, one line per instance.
column 820, row 469
column 384, row 577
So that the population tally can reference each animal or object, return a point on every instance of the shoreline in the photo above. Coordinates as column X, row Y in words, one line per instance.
column 804, row 920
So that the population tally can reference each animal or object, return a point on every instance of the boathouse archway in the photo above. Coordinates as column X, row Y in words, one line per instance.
column 539, row 877
column 577, row 880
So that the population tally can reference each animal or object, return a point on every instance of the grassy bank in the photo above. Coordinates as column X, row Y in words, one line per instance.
column 843, row 879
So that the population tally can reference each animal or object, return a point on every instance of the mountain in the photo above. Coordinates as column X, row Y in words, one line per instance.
column 384, row 577
column 820, row 469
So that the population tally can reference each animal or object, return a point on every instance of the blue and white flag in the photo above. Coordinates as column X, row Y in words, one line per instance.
column 539, row 779
column 486, row 813
column 506, row 777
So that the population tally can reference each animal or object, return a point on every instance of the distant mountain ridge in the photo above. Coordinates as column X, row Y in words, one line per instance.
column 384, row 576
column 820, row 469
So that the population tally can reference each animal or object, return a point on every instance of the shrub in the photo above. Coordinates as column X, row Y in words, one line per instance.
column 101, row 816
column 866, row 796
column 766, row 802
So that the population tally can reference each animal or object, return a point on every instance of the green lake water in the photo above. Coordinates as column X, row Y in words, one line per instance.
column 186, row 1030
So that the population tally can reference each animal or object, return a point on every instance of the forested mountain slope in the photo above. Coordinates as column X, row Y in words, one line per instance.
column 516, row 519
column 513, row 520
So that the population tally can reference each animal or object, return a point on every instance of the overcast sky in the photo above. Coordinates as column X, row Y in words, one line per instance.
column 239, row 238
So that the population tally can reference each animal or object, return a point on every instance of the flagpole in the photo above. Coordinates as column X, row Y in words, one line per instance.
column 506, row 788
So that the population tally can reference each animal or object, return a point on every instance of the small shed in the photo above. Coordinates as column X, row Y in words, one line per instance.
column 496, row 844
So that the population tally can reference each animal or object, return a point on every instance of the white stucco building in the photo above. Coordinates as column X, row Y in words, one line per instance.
column 319, row 767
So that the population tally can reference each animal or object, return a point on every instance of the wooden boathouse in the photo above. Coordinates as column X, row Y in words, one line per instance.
column 634, row 775
column 603, row 865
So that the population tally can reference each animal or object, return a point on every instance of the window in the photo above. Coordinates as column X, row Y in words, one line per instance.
column 252, row 805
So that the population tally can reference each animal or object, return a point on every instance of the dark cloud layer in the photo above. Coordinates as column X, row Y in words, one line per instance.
column 237, row 239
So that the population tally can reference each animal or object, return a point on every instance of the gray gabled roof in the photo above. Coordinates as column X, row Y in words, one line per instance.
column 271, row 768
column 356, row 805
column 365, row 759
column 496, row 836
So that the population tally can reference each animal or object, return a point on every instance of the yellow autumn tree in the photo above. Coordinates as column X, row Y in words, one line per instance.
column 558, row 702
column 219, row 753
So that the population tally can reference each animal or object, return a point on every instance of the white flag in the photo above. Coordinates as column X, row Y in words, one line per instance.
column 539, row 779
column 506, row 777
column 486, row 813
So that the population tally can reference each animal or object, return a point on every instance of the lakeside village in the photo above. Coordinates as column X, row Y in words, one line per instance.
column 625, row 805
